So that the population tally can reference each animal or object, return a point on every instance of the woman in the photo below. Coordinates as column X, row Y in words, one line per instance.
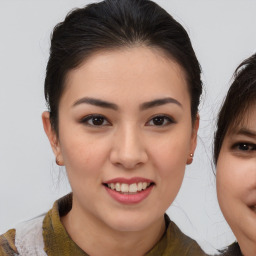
column 234, row 154
column 123, row 87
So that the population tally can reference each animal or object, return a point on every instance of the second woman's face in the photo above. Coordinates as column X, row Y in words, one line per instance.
column 236, row 182
column 125, row 136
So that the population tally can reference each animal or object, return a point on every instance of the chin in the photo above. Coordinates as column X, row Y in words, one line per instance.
column 130, row 223
column 248, row 247
column 246, row 237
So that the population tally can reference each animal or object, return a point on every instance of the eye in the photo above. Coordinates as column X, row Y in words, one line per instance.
column 244, row 146
column 160, row 120
column 95, row 120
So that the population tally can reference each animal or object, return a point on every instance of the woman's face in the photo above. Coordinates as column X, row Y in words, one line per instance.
column 236, row 182
column 125, row 136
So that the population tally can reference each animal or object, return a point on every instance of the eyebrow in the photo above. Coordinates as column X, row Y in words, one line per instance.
column 143, row 106
column 247, row 132
column 159, row 102
column 96, row 102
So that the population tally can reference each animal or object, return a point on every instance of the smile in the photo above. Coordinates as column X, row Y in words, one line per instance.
column 129, row 191
column 129, row 188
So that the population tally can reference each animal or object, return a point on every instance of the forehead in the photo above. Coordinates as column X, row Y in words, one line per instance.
column 136, row 70
column 245, row 119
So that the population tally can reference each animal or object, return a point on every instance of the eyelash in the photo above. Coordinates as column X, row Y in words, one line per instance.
column 244, row 147
column 103, row 121
column 167, row 120
column 93, row 118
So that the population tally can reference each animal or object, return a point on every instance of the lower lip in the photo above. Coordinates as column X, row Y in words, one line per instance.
column 130, row 198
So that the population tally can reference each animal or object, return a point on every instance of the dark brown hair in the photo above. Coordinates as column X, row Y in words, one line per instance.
column 112, row 24
column 240, row 98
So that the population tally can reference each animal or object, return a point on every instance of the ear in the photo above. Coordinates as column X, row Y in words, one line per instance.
column 52, row 137
column 193, row 141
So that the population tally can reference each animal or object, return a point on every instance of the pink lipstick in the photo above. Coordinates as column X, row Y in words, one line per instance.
column 129, row 191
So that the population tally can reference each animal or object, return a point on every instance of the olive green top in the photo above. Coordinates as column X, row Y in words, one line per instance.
column 58, row 242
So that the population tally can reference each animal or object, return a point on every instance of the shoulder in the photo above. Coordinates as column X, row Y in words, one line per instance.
column 181, row 243
column 174, row 242
column 28, row 238
column 25, row 239
column 7, row 243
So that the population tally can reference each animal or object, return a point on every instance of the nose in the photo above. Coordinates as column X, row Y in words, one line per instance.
column 128, row 150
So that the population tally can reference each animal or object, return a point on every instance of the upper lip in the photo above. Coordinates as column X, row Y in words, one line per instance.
column 128, row 181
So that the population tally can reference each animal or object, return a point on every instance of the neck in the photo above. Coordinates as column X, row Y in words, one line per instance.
column 88, row 232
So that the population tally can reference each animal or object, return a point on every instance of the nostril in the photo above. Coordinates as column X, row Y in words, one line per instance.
column 128, row 151
column 129, row 165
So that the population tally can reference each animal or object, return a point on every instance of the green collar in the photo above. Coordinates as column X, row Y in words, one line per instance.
column 58, row 242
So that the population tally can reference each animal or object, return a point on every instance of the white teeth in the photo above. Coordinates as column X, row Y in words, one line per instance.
column 133, row 188
column 124, row 188
column 144, row 185
column 139, row 186
column 118, row 187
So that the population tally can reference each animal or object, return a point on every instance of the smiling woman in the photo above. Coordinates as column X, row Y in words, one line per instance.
column 235, row 152
column 124, row 143
column 123, row 87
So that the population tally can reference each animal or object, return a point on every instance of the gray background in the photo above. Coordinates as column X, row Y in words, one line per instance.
column 222, row 33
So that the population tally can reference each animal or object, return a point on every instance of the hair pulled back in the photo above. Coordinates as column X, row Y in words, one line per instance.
column 112, row 24
column 240, row 98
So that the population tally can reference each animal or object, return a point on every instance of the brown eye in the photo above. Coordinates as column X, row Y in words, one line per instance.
column 246, row 146
column 95, row 120
column 243, row 147
column 160, row 121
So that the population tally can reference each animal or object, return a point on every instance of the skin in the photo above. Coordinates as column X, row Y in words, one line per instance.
column 236, row 182
column 128, row 144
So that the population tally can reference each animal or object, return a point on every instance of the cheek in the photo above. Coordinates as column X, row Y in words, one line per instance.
column 235, row 180
column 170, row 162
column 226, row 180
column 227, row 190
column 170, row 156
column 83, row 156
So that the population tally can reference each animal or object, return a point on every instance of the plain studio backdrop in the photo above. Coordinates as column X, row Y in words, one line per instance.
column 222, row 34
